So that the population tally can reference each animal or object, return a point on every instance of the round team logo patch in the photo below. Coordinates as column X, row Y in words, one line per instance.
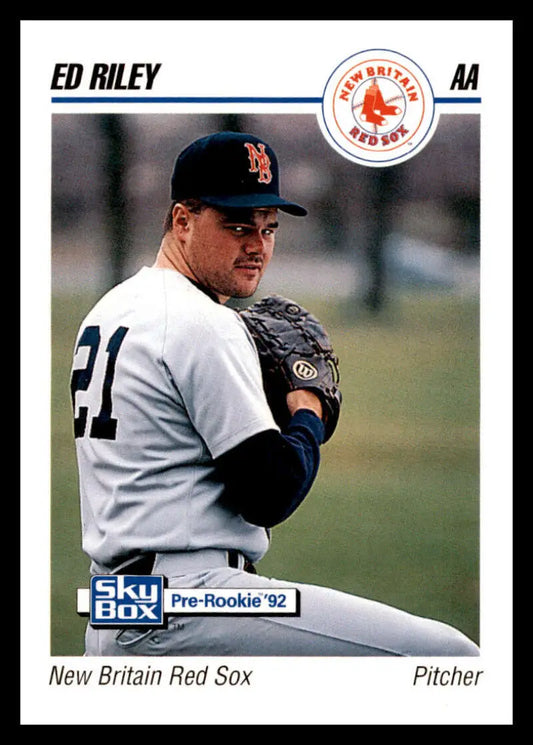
column 378, row 108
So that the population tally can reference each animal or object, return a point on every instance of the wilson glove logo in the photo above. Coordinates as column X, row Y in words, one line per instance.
column 378, row 108
column 123, row 600
column 304, row 370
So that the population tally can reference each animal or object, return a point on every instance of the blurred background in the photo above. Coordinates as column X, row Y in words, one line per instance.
column 388, row 258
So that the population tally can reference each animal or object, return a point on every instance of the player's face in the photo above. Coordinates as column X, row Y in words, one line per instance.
column 228, row 252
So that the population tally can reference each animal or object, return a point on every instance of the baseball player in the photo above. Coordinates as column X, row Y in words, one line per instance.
column 183, row 468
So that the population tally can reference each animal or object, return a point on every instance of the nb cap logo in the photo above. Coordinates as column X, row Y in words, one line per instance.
column 259, row 162
column 378, row 108
column 304, row 370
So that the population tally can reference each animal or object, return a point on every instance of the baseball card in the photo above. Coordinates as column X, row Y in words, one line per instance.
column 266, row 372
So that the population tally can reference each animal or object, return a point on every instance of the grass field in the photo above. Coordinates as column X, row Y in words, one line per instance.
column 393, row 515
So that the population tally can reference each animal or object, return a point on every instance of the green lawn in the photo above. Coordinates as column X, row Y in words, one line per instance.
column 393, row 514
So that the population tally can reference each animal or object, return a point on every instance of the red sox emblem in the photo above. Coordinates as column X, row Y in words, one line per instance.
column 259, row 162
column 378, row 108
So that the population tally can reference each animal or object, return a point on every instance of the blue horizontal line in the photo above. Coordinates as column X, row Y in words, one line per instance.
column 193, row 99
column 457, row 99
column 196, row 99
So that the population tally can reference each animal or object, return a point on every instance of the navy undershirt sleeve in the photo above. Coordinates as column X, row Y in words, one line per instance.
column 269, row 475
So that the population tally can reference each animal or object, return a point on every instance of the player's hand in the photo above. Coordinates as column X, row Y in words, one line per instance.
column 302, row 399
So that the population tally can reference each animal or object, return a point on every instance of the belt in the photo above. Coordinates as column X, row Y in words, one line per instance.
column 176, row 563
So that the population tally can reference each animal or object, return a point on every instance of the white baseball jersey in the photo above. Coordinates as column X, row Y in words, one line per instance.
column 164, row 381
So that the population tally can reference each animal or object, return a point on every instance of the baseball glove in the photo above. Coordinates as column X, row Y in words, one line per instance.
column 295, row 352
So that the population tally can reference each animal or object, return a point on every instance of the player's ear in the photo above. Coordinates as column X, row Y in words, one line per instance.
column 181, row 218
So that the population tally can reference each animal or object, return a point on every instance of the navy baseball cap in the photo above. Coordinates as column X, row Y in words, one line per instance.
column 230, row 169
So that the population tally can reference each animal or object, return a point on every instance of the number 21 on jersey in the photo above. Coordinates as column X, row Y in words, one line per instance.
column 103, row 425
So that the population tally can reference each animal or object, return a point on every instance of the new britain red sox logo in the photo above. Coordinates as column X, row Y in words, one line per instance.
column 259, row 162
column 378, row 108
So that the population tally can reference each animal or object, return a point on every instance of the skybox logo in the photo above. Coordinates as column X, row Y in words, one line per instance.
column 124, row 600
column 378, row 108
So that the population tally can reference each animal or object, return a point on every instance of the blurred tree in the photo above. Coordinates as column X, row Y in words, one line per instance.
column 115, row 146
column 232, row 123
column 383, row 184
column 466, row 208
